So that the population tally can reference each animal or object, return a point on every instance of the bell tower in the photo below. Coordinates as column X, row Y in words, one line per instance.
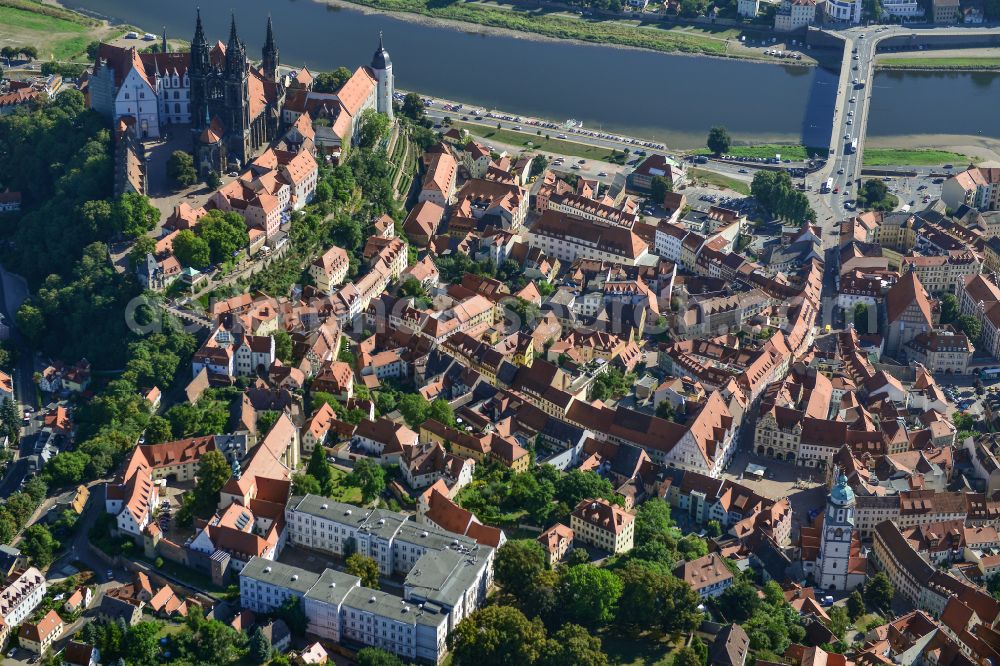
column 833, row 565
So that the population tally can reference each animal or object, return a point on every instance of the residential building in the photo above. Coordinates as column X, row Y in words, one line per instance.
column 655, row 166
column 330, row 269
column 846, row 11
column 748, row 8
column 906, row 10
column 708, row 576
column 795, row 15
column 567, row 238
column 978, row 187
column 607, row 526
column 38, row 637
column 439, row 178
column 21, row 596
column 947, row 12
column 907, row 312
column 730, row 647
column 557, row 541
column 941, row 350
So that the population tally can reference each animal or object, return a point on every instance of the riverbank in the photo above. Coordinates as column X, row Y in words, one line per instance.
column 539, row 24
column 958, row 60
column 976, row 148
column 58, row 33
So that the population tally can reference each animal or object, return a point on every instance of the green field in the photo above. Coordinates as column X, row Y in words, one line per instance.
column 788, row 152
column 531, row 141
column 642, row 651
column 343, row 492
column 56, row 33
column 649, row 35
column 902, row 157
column 972, row 63
column 710, row 178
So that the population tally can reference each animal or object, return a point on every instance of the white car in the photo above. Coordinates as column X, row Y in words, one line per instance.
column 853, row 100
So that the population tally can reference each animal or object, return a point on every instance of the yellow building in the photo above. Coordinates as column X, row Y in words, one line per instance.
column 607, row 526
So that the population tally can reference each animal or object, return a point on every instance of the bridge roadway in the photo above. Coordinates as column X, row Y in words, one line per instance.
column 850, row 119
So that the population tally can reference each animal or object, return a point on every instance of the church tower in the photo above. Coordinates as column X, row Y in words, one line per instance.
column 833, row 568
column 382, row 69
column 269, row 62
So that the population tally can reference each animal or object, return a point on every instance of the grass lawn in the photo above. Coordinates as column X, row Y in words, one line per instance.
column 642, row 651
column 343, row 492
column 644, row 33
column 940, row 63
column 710, row 178
column 531, row 141
column 768, row 150
column 921, row 157
column 56, row 33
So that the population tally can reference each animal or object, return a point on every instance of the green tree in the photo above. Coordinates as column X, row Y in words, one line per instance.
column 413, row 107
column 143, row 246
column 10, row 421
column 374, row 128
column 577, row 485
column 573, row 645
column 141, row 646
column 855, row 605
column 319, row 469
column 441, row 411
column 738, row 602
column 839, row 621
column 213, row 472
column 539, row 163
column 969, row 325
column 497, row 636
column 660, row 187
column 260, row 646
column 225, row 234
column 39, row 545
column 294, row 615
column 180, row 169
column 31, row 322
column 364, row 568
column 306, row 484
column 588, row 595
column 686, row 656
column 878, row 592
column 371, row 656
column 369, row 476
column 191, row 250
column 714, row 529
column 414, row 408
column 862, row 320
column 133, row 215
column 67, row 468
column 949, row 308
column 719, row 140
column 283, row 346
column 330, row 82
column 213, row 180
column 517, row 564
column 158, row 430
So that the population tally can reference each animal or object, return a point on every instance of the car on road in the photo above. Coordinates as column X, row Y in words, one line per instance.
column 853, row 100
column 839, row 171
column 602, row 174
column 850, row 122
column 744, row 171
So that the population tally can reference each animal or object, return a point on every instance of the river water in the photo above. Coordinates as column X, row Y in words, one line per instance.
column 673, row 98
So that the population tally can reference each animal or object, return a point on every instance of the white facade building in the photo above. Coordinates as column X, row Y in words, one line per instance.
column 22, row 596
column 836, row 565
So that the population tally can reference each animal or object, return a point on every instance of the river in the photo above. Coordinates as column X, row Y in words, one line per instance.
column 672, row 98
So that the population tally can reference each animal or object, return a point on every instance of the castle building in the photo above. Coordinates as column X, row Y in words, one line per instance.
column 840, row 565
column 235, row 107
column 149, row 91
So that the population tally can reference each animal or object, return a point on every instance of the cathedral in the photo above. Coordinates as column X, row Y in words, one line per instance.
column 235, row 107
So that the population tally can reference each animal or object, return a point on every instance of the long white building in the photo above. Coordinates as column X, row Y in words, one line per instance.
column 447, row 576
